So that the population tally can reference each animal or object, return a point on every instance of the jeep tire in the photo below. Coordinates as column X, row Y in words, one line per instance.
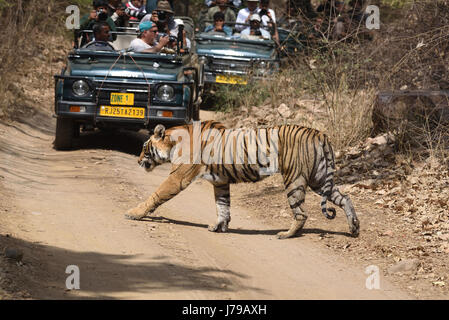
column 65, row 132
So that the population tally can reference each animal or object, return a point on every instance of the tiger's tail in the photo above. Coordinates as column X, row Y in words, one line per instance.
column 329, row 182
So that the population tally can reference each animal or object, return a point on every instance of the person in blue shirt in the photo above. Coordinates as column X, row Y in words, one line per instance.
column 219, row 25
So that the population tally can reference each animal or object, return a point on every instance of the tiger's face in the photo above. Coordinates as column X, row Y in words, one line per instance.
column 156, row 150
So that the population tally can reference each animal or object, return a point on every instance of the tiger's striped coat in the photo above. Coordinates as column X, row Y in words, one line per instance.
column 304, row 158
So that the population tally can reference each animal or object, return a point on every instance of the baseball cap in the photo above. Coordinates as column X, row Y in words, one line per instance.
column 179, row 22
column 254, row 17
column 146, row 25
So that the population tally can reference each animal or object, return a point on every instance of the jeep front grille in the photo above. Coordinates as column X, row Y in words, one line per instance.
column 140, row 92
column 225, row 65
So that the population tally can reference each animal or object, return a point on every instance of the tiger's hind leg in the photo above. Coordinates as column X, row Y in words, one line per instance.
column 223, row 204
column 344, row 202
column 296, row 193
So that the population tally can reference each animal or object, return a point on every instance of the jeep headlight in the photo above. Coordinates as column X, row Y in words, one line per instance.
column 165, row 92
column 80, row 88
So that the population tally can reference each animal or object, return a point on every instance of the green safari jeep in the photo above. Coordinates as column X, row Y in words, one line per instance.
column 235, row 59
column 122, row 89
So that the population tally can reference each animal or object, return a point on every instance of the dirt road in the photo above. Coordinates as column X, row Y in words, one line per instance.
column 67, row 208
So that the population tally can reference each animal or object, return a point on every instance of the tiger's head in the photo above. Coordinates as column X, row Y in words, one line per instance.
column 156, row 150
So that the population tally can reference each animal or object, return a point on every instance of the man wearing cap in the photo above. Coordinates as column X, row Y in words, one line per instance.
column 186, row 41
column 254, row 28
column 145, row 40
column 229, row 15
column 245, row 13
column 163, row 18
column 152, row 5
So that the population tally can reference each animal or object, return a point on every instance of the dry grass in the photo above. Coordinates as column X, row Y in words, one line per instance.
column 320, row 93
column 24, row 26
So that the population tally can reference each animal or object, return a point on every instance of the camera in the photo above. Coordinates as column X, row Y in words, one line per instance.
column 102, row 15
column 161, row 15
column 263, row 12
column 170, row 37
column 135, row 13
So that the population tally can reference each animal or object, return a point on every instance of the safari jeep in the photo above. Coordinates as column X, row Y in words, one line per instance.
column 235, row 59
column 121, row 89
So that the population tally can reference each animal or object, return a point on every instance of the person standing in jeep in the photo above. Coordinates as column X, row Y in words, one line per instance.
column 244, row 15
column 99, row 13
column 229, row 14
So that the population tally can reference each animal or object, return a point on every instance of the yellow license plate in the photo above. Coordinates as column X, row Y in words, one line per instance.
column 230, row 79
column 122, row 99
column 122, row 112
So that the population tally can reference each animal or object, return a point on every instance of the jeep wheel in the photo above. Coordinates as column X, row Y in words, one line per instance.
column 65, row 129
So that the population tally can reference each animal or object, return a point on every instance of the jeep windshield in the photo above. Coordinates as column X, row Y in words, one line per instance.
column 235, row 59
column 235, row 45
column 123, row 39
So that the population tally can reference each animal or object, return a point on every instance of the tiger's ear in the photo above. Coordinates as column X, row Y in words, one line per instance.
column 159, row 132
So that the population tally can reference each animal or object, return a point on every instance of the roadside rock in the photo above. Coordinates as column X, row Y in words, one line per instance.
column 409, row 265
column 284, row 111
column 14, row 254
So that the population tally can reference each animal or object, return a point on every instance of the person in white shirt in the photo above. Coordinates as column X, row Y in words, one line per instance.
column 266, row 14
column 268, row 18
column 245, row 13
column 186, row 41
column 145, row 40
column 254, row 28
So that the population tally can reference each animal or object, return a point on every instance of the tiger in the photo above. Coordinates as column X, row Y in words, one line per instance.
column 304, row 157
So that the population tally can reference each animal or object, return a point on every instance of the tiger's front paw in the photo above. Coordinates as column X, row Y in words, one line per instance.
column 283, row 235
column 136, row 213
column 219, row 227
